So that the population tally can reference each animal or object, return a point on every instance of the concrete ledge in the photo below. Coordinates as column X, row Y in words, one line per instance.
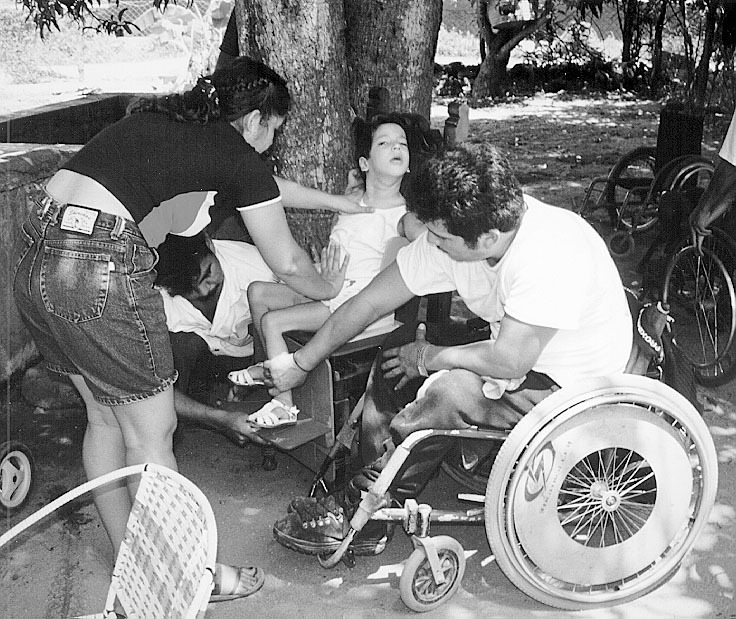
column 69, row 122
column 24, row 170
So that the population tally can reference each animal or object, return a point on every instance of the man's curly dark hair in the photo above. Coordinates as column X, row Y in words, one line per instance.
column 471, row 190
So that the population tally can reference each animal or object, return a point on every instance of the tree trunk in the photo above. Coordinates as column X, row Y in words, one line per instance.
column 702, row 71
column 491, row 76
column 391, row 44
column 628, row 30
column 655, row 81
column 302, row 40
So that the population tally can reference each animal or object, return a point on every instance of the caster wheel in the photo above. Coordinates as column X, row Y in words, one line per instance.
column 418, row 589
column 620, row 244
column 16, row 476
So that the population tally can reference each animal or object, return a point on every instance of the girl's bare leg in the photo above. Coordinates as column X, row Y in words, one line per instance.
column 307, row 316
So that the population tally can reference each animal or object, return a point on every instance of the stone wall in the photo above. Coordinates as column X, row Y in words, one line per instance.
column 24, row 169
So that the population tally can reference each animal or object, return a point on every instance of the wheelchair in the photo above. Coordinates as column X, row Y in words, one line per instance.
column 592, row 499
column 629, row 196
column 699, row 291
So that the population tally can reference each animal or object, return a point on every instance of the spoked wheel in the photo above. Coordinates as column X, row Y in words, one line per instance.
column 419, row 591
column 700, row 294
column 629, row 182
column 599, row 492
column 16, row 476
column 469, row 463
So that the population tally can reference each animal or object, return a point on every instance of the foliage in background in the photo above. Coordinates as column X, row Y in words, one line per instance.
column 69, row 45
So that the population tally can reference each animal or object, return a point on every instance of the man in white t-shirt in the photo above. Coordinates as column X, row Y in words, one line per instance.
column 721, row 191
column 540, row 275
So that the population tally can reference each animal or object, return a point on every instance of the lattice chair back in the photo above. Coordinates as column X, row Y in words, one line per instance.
column 166, row 563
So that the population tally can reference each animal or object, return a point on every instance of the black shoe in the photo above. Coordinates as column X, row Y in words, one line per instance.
column 318, row 526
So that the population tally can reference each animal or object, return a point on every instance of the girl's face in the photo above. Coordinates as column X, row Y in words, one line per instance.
column 258, row 132
column 389, row 152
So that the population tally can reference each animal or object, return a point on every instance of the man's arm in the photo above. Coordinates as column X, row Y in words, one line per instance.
column 383, row 295
column 716, row 200
column 511, row 355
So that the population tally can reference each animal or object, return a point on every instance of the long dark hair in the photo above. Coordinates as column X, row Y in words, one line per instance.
column 228, row 94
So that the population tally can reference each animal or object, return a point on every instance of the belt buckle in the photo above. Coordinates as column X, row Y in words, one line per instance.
column 79, row 219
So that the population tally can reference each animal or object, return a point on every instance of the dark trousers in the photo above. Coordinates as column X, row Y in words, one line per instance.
column 198, row 368
column 455, row 401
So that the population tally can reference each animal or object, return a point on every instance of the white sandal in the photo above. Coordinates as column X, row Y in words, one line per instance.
column 266, row 418
column 243, row 377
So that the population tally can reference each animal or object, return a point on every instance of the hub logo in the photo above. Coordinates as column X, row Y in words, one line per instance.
column 538, row 472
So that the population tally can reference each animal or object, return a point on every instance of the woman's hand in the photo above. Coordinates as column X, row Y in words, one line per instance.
column 403, row 360
column 332, row 268
column 354, row 192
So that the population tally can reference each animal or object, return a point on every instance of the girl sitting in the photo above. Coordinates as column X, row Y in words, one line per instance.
column 383, row 158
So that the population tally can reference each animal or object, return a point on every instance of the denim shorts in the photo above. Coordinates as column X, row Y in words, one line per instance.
column 83, row 284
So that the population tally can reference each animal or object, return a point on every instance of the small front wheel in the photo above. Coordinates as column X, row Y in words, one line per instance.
column 419, row 591
column 16, row 476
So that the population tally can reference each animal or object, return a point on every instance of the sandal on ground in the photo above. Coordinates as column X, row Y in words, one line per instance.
column 243, row 377
column 267, row 417
column 237, row 582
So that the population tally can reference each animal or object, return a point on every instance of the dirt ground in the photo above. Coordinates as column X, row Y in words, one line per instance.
column 558, row 144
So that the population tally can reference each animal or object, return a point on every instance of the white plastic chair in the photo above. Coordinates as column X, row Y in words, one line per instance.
column 166, row 564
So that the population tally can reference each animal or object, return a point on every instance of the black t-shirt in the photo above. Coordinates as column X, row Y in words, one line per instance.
column 230, row 44
column 148, row 158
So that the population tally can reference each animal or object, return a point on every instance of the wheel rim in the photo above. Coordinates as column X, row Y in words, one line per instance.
column 15, row 478
column 620, row 567
column 424, row 588
column 701, row 298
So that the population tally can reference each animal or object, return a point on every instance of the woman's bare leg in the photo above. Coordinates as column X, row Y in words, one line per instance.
column 122, row 436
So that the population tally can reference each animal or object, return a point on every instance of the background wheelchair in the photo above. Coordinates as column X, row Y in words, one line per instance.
column 627, row 199
column 593, row 499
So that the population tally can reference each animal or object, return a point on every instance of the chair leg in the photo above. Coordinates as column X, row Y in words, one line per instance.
column 269, row 463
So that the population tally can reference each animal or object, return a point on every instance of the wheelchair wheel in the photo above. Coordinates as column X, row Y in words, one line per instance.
column 417, row 586
column 469, row 463
column 620, row 244
column 600, row 491
column 634, row 173
column 16, row 476
column 702, row 302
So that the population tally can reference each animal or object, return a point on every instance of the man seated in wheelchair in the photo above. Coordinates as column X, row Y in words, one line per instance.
column 540, row 275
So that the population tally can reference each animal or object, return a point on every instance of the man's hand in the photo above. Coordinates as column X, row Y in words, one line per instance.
column 699, row 228
column 402, row 361
column 282, row 373
column 332, row 268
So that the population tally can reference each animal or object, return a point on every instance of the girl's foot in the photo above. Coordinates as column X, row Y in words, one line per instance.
column 248, row 377
column 274, row 414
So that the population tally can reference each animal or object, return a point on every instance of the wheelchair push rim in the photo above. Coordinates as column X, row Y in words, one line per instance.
column 605, row 500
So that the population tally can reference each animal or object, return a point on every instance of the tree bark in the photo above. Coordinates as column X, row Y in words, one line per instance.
column 303, row 41
column 391, row 44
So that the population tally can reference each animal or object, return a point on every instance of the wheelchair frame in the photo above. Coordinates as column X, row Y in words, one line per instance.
column 617, row 475
column 630, row 193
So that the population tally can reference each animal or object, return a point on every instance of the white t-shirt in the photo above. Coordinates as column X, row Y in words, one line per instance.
column 365, row 236
column 227, row 334
column 556, row 273
column 728, row 148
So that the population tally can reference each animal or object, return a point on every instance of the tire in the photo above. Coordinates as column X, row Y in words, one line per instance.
column 469, row 463
column 702, row 303
column 634, row 171
column 16, row 476
column 418, row 589
column 620, row 244
column 600, row 491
